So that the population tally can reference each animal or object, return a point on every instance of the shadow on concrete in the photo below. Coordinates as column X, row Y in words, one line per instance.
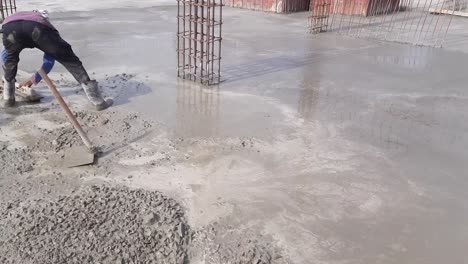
column 124, row 92
column 198, row 110
column 270, row 65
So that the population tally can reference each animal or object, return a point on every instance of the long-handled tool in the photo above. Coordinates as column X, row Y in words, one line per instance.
column 77, row 156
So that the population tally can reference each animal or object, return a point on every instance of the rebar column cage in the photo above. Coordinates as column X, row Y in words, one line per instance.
column 319, row 14
column 418, row 22
column 7, row 7
column 199, row 39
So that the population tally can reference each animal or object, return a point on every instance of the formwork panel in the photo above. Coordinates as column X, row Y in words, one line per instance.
column 258, row 5
column 277, row 6
column 290, row 6
column 269, row 6
column 249, row 4
column 363, row 7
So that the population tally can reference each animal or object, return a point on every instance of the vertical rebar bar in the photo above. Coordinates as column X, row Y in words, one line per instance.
column 419, row 22
column 189, row 37
column 195, row 38
column 362, row 15
column 432, row 17
column 184, row 21
column 427, row 11
column 328, row 10
column 11, row 8
column 438, row 17
column 444, row 15
column 202, row 41
column 7, row 8
column 213, row 36
column 178, row 38
column 448, row 26
column 417, row 15
column 334, row 12
column 384, row 14
column 208, row 43
column 396, row 10
column 220, row 39
column 371, row 14
column 406, row 18
column 1, row 9
column 351, row 22
column 408, row 21
column 342, row 2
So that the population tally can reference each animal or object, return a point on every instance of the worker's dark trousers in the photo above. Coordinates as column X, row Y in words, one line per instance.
column 18, row 35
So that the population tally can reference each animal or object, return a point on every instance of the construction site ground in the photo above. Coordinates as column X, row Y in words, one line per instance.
column 314, row 149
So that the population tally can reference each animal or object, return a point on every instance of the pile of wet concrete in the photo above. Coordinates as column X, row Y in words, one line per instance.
column 100, row 224
column 221, row 243
column 95, row 225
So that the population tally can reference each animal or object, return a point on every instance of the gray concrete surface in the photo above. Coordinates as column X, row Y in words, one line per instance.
column 356, row 150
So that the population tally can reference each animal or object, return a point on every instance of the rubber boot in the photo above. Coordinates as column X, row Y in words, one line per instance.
column 8, row 94
column 94, row 95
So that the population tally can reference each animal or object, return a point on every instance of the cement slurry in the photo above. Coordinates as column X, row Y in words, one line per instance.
column 341, row 150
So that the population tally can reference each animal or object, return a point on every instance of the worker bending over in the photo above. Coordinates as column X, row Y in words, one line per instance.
column 33, row 30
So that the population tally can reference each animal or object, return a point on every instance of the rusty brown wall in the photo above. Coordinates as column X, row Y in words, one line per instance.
column 348, row 7
column 364, row 7
column 295, row 6
column 277, row 6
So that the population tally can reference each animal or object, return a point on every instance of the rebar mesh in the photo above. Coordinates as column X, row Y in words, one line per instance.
column 7, row 7
column 319, row 15
column 418, row 22
column 199, row 30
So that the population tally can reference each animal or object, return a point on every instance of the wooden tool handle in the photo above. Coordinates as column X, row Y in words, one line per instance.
column 65, row 108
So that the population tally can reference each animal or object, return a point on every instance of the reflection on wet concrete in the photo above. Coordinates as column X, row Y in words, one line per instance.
column 380, row 151
column 411, row 58
column 308, row 99
column 418, row 126
column 309, row 94
column 197, row 109
column 264, row 66
column 359, row 149
column 386, row 118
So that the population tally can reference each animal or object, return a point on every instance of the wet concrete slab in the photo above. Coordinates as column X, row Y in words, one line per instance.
column 358, row 147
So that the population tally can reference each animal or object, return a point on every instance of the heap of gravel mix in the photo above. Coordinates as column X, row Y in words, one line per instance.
column 95, row 225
